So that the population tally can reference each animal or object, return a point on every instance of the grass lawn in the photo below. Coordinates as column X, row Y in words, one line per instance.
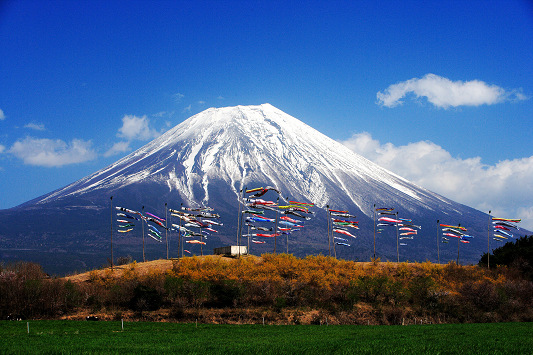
column 145, row 337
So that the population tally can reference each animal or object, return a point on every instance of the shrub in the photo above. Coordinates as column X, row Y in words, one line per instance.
column 145, row 298
column 224, row 293
column 124, row 260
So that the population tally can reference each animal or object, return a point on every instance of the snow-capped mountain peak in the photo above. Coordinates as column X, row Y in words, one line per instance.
column 254, row 144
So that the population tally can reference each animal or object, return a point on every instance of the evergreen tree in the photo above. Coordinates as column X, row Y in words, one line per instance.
column 517, row 254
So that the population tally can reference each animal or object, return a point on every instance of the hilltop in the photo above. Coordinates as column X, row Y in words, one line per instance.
column 280, row 288
column 141, row 268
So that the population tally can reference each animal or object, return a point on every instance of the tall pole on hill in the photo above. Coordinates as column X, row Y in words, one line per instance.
column 397, row 241
column 458, row 243
column 142, row 225
column 438, row 247
column 488, row 242
column 239, row 219
column 180, row 238
column 374, row 209
column 202, row 240
column 170, row 231
column 111, row 198
column 333, row 240
column 166, row 227
column 329, row 240
column 276, row 227
column 288, row 234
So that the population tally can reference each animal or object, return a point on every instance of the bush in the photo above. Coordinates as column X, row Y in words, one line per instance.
column 145, row 298
column 124, row 260
column 224, row 293
column 517, row 254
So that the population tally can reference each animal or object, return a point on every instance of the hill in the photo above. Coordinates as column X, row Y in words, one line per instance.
column 141, row 269
column 281, row 288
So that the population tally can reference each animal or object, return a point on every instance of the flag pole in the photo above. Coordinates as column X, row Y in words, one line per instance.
column 374, row 231
column 202, row 240
column 333, row 240
column 239, row 219
column 328, row 214
column 458, row 243
column 166, row 226
column 287, row 233
column 488, row 242
column 142, row 225
column 438, row 247
column 276, row 226
column 180, row 239
column 170, row 218
column 397, row 241
column 111, row 198
column 332, row 237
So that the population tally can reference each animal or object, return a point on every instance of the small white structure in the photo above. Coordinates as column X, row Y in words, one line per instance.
column 231, row 250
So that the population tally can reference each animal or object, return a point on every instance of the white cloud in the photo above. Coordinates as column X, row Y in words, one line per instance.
column 444, row 93
column 506, row 187
column 133, row 128
column 52, row 153
column 117, row 148
column 35, row 126
column 2, row 148
column 138, row 128
column 2, row 116
column 177, row 97
column 187, row 109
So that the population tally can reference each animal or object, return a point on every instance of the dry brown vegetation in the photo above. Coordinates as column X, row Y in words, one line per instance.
column 279, row 289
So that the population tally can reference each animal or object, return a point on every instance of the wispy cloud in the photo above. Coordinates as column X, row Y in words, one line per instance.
column 177, row 97
column 2, row 148
column 2, row 115
column 35, row 126
column 188, row 109
column 117, row 148
column 505, row 187
column 134, row 127
column 52, row 153
column 163, row 114
column 444, row 93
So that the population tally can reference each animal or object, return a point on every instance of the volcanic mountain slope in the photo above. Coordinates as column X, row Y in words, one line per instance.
column 241, row 146
column 207, row 160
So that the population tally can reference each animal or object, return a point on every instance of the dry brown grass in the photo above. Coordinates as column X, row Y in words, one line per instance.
column 281, row 288
column 143, row 268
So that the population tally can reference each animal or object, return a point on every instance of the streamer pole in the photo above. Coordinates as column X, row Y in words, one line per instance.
column 438, row 247
column 488, row 242
column 111, row 198
column 374, row 231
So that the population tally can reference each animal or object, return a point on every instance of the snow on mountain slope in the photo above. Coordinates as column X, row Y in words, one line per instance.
column 256, row 144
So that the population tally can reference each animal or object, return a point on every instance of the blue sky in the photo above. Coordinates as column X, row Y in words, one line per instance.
column 440, row 92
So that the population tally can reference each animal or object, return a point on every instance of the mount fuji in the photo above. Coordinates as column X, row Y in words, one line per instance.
column 206, row 161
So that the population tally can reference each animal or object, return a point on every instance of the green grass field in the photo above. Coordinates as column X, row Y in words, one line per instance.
column 144, row 337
